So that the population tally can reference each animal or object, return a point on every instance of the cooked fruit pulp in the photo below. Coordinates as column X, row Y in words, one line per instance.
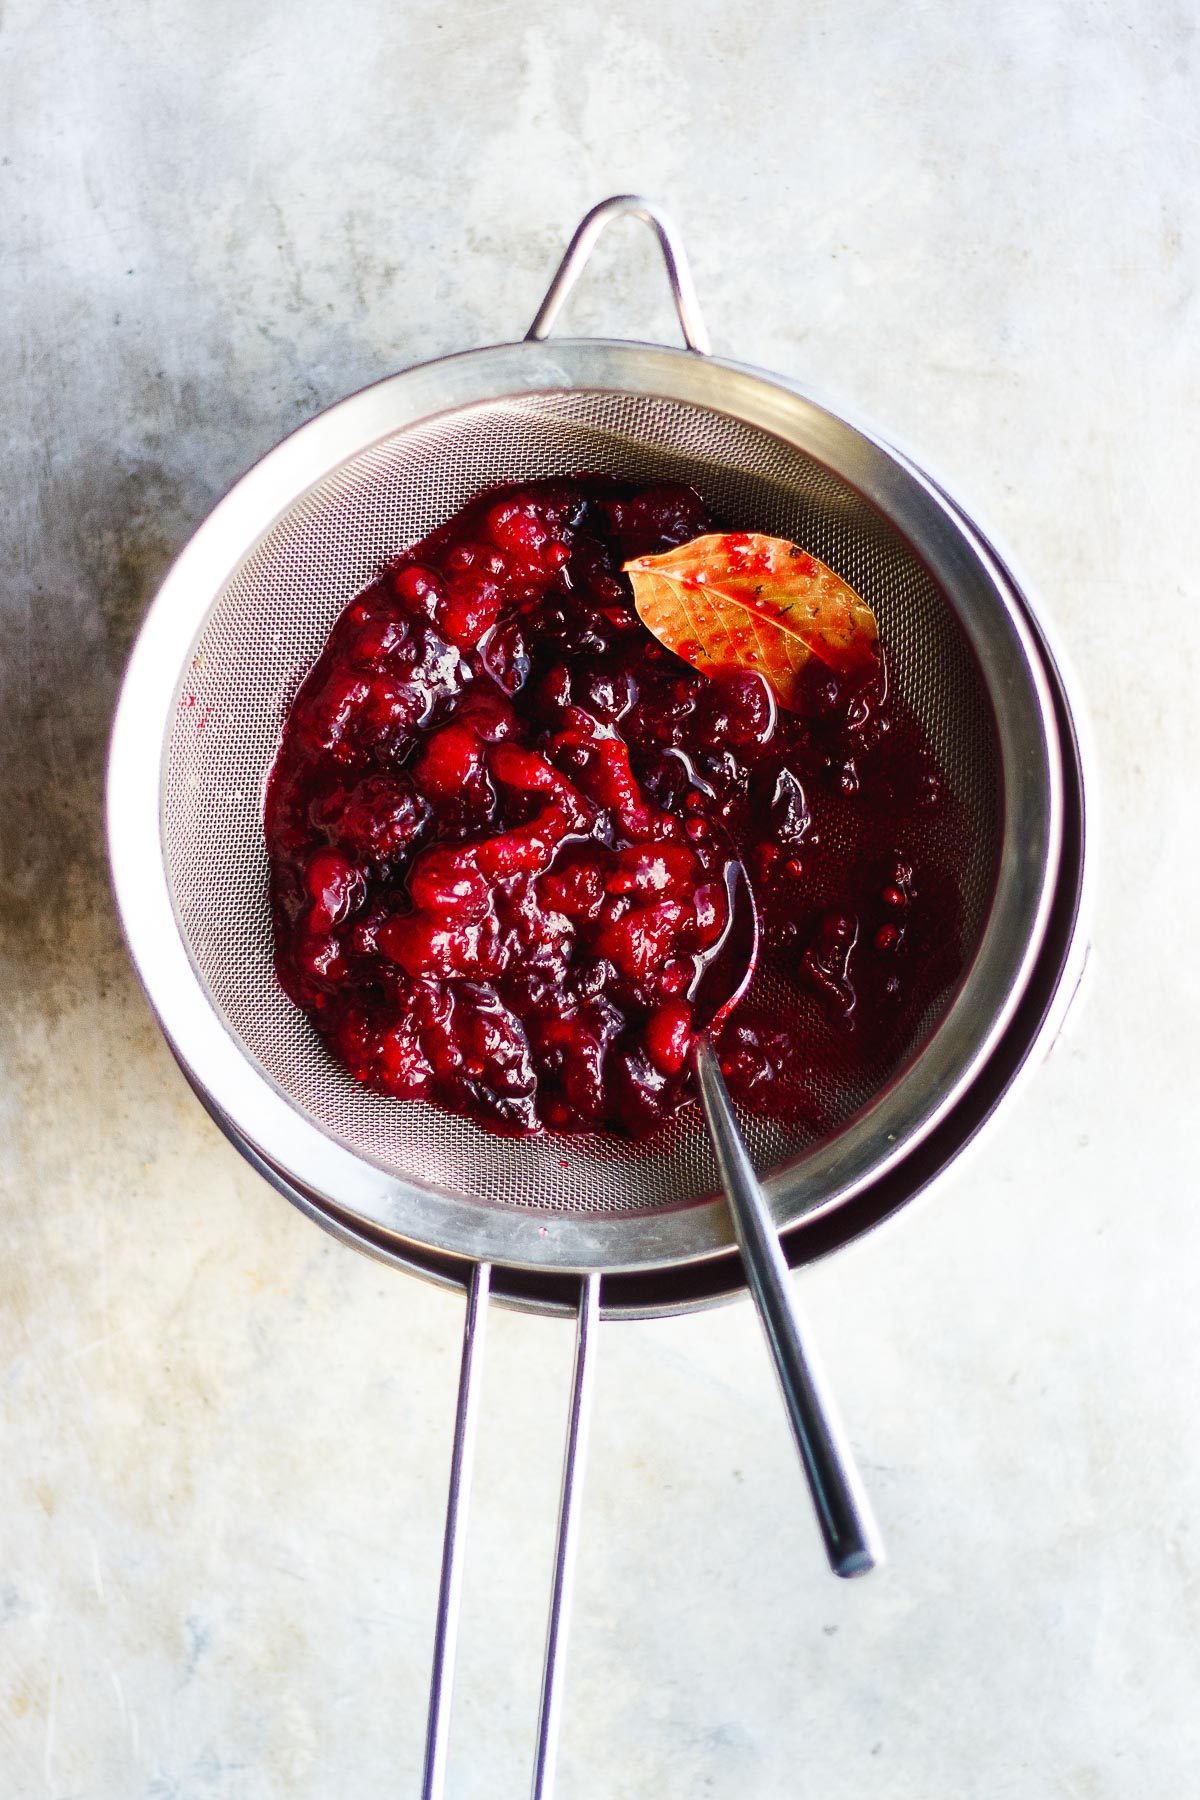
column 502, row 815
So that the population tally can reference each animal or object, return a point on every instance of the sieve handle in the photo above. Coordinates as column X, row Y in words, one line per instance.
column 550, row 1715
column 445, row 1643
column 695, row 336
column 843, row 1510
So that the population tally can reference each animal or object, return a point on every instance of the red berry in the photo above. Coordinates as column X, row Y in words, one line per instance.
column 424, row 946
column 652, row 869
column 604, row 693
column 449, row 761
column 750, row 709
column 418, row 590
column 337, row 889
column 403, row 1066
column 326, row 714
column 668, row 1033
column 577, row 890
column 488, row 712
column 469, row 613
column 319, row 957
column 639, row 1096
column 675, row 976
column 711, row 902
column 763, row 859
column 641, row 940
column 380, row 645
column 516, row 528
column 447, row 884
column 378, row 818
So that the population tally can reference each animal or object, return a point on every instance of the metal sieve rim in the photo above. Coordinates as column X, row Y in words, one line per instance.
column 832, row 1171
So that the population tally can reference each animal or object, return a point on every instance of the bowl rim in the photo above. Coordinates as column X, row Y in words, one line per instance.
column 256, row 1112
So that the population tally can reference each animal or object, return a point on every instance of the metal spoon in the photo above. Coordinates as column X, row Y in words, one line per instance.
column 843, row 1511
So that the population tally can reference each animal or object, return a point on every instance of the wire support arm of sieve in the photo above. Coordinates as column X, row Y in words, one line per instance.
column 441, row 1684
column 566, row 1550
column 687, row 306
column 445, row 1644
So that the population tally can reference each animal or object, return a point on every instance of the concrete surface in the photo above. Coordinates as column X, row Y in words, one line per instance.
column 225, row 1438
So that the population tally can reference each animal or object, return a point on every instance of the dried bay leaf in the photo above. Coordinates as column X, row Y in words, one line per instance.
column 739, row 600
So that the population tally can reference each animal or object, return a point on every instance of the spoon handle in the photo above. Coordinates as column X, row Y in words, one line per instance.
column 843, row 1510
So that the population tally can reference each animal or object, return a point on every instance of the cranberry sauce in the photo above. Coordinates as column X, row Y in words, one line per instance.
column 501, row 816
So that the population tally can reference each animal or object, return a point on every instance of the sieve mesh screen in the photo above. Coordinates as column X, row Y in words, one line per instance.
column 267, row 626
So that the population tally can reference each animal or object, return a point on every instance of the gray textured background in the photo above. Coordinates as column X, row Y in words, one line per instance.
column 225, row 1439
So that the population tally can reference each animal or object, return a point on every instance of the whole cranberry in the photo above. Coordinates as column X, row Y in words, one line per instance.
column 377, row 818
column 640, row 1096
column 668, row 1033
column 380, row 645
column 489, row 713
column 656, row 519
column 516, row 527
column 418, row 590
column 471, row 610
column 826, row 964
column 505, row 655
column 446, row 883
column 336, row 888
column 606, row 693
column 750, row 709
column 449, row 760
column 403, row 1068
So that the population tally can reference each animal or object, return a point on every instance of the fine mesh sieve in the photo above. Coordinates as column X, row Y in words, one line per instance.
column 239, row 621
column 271, row 620
column 242, row 616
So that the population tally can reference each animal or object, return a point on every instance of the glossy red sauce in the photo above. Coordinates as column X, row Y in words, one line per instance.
column 501, row 816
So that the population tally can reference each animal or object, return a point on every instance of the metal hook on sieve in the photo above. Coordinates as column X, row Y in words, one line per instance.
column 679, row 274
